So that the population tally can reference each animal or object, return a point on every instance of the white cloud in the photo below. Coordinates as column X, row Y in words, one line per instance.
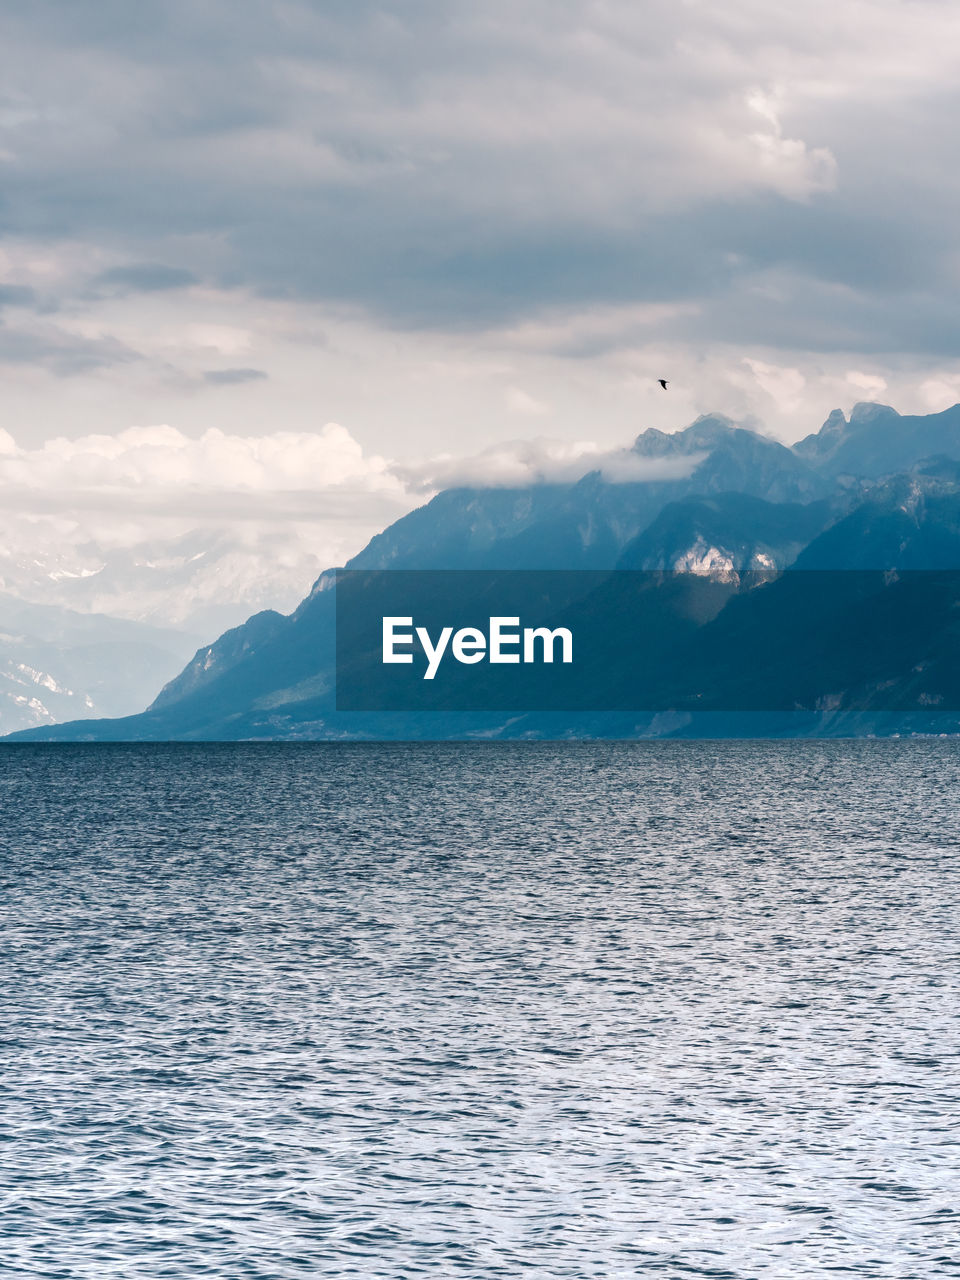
column 154, row 524
column 784, row 385
column 940, row 392
column 870, row 383
column 517, row 463
column 167, row 463
column 788, row 164
column 519, row 401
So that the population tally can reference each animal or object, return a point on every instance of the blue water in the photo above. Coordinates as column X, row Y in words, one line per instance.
column 596, row 1010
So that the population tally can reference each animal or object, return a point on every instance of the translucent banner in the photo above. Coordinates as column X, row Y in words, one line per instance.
column 638, row 640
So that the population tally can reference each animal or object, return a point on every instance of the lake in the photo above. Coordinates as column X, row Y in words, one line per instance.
column 483, row 1010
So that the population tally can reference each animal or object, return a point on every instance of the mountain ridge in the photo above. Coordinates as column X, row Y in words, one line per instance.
column 746, row 500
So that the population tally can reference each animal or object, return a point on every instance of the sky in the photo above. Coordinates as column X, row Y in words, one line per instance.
column 293, row 265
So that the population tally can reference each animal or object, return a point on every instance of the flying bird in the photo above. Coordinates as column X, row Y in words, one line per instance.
column 663, row 383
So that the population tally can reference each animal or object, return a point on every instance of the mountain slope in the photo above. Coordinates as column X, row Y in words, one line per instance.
column 729, row 531
column 908, row 522
column 736, row 493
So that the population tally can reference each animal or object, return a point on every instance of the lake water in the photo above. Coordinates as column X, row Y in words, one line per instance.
column 585, row 1010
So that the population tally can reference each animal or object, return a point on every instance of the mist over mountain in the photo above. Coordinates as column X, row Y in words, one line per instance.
column 57, row 664
column 587, row 524
column 200, row 581
column 875, row 491
column 91, row 628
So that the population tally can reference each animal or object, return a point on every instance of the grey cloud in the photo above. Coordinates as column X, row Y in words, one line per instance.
column 61, row 353
column 460, row 166
column 145, row 277
column 16, row 295
column 232, row 377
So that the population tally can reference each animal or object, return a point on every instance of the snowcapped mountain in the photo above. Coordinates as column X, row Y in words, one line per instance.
column 95, row 630
column 202, row 581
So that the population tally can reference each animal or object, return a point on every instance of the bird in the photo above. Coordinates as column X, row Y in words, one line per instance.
column 663, row 383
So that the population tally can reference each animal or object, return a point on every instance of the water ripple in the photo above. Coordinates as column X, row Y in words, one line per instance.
column 578, row 1010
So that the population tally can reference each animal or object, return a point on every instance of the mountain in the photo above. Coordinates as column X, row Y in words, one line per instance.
column 200, row 582
column 729, row 531
column 212, row 660
column 586, row 525
column 718, row 497
column 907, row 522
column 878, row 441
column 734, row 459
column 87, row 628
column 56, row 664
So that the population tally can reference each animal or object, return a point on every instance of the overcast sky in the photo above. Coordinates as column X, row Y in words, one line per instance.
column 449, row 224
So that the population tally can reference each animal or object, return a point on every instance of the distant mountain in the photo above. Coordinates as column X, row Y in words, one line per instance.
column 201, row 582
column 56, row 664
column 878, row 441
column 735, row 460
column 95, row 630
column 879, row 491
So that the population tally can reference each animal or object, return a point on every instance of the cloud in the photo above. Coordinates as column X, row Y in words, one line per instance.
column 519, row 463
column 519, row 401
column 233, row 377
column 871, row 383
column 783, row 385
column 152, row 523
column 794, row 169
column 450, row 163
column 166, row 463
column 146, row 277
column 281, row 476
column 435, row 221
column 941, row 392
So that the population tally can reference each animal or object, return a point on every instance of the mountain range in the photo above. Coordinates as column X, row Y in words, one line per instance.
column 91, row 628
column 875, row 491
column 57, row 663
